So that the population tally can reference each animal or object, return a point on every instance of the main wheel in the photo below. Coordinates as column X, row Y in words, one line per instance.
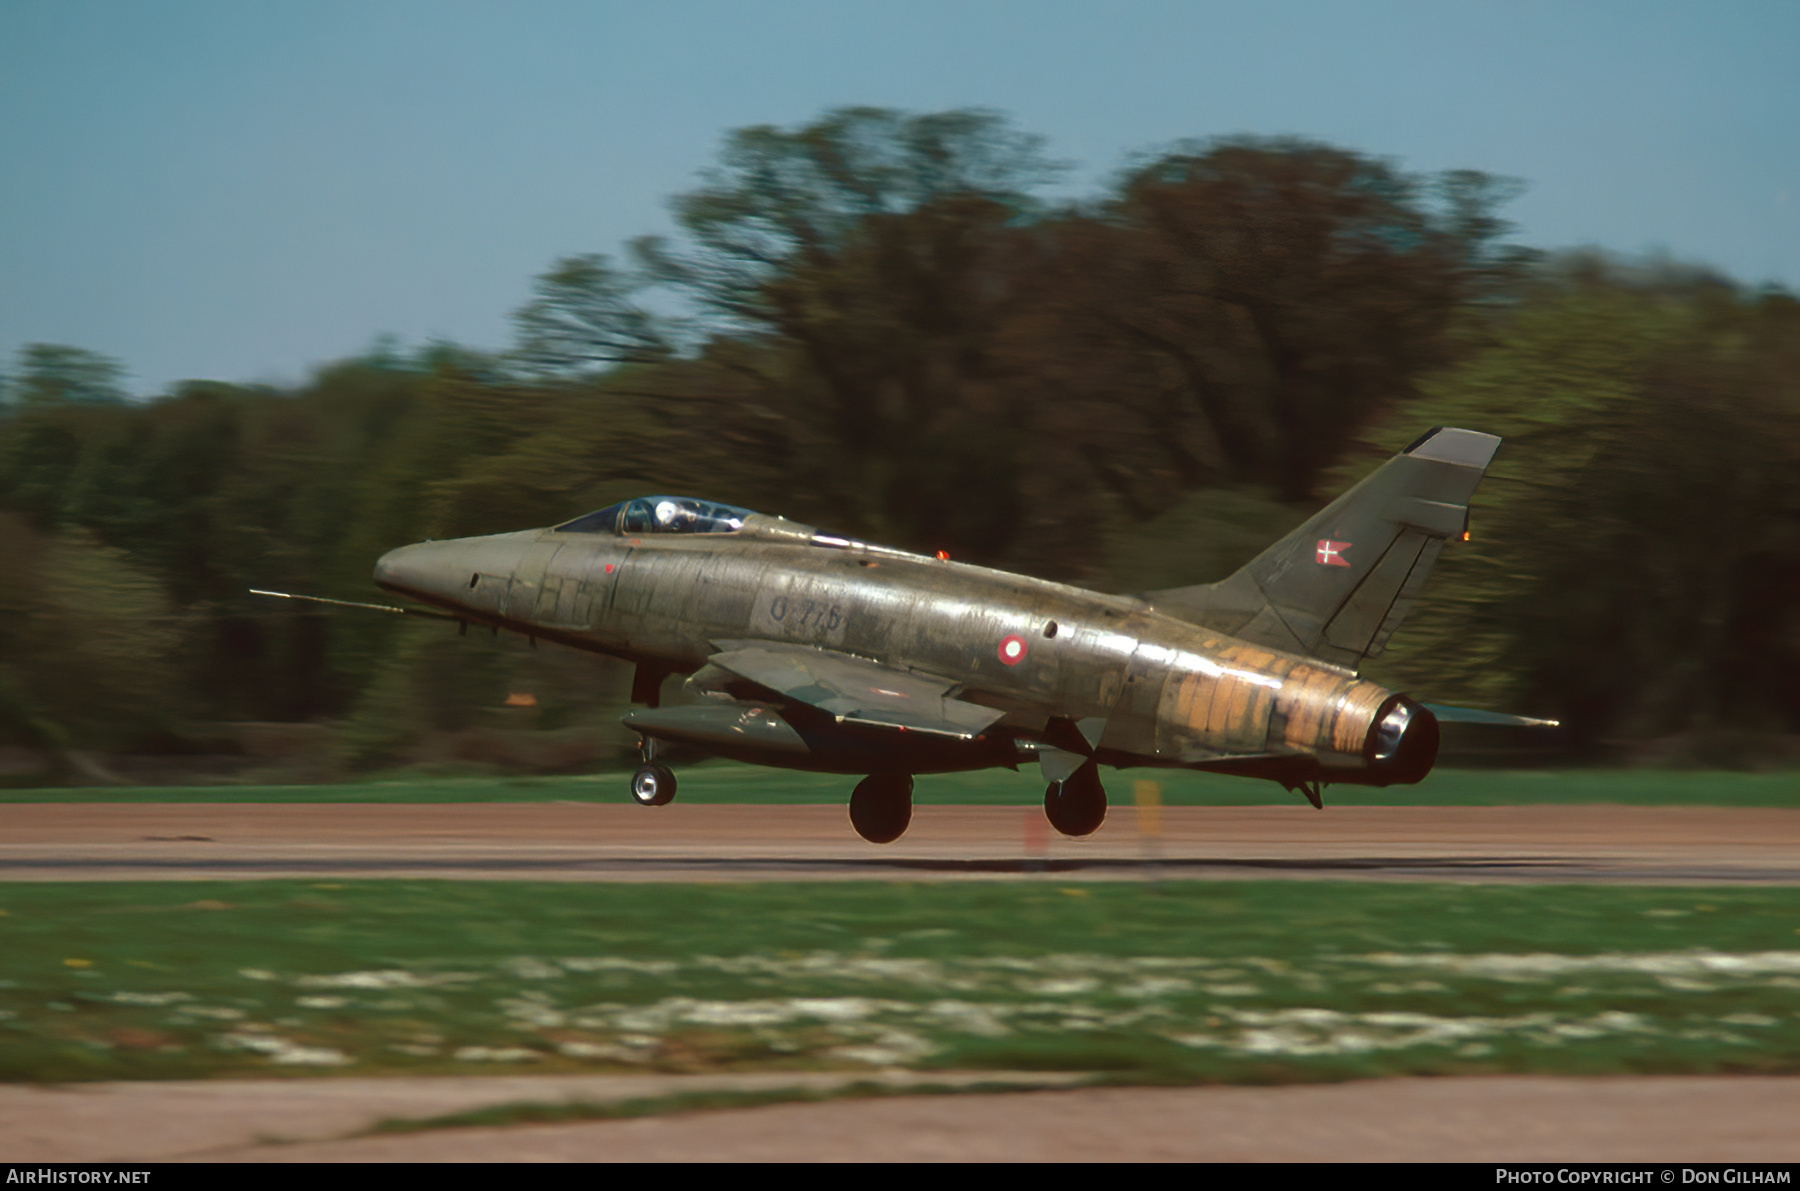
column 1077, row 805
column 653, row 785
column 881, row 807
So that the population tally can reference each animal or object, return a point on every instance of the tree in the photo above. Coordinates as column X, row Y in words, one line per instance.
column 855, row 272
column 843, row 284
column 87, row 644
column 586, row 316
column 1635, row 568
column 783, row 205
column 1245, row 306
column 49, row 373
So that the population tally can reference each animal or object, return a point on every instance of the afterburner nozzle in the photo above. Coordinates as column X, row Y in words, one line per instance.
column 1402, row 746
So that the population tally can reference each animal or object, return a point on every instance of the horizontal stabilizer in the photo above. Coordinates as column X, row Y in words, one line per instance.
column 855, row 690
column 1470, row 715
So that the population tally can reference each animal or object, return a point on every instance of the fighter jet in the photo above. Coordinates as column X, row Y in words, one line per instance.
column 808, row 650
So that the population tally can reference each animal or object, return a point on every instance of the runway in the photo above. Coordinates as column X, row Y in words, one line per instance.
column 1494, row 1119
column 620, row 842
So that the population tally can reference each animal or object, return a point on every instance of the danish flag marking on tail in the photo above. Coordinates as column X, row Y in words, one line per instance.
column 1331, row 554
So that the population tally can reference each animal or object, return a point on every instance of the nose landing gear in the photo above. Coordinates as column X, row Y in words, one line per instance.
column 881, row 806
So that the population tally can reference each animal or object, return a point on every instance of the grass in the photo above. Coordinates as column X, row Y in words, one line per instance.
column 725, row 782
column 1173, row 982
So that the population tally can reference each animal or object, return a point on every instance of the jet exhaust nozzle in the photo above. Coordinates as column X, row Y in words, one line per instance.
column 1402, row 746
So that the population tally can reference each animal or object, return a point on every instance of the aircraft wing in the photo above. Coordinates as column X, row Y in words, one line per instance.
column 855, row 690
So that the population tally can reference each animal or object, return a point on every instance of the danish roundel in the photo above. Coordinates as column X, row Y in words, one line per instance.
column 1013, row 649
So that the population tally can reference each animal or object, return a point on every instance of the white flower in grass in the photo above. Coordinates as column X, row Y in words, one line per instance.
column 1625, row 1023
column 1539, row 965
column 386, row 979
column 283, row 1051
column 1197, row 1041
column 875, row 1056
column 837, row 1008
column 494, row 1054
column 971, row 1018
column 1148, row 987
column 594, row 1050
column 1064, row 986
column 610, row 963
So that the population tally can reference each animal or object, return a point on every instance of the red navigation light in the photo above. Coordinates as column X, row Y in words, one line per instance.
column 943, row 556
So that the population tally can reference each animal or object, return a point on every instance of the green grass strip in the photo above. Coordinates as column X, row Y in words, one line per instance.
column 1170, row 981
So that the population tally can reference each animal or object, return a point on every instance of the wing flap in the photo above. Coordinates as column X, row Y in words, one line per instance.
column 855, row 690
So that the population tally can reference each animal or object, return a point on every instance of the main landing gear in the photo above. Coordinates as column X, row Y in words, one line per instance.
column 881, row 806
column 652, row 784
column 1077, row 804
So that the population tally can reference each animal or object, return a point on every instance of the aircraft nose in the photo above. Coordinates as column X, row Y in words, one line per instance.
column 440, row 571
column 398, row 570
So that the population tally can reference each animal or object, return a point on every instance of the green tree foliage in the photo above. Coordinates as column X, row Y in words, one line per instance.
column 934, row 357
column 1636, row 563
column 777, row 215
column 216, row 489
column 873, row 323
column 49, row 373
column 586, row 316
column 87, row 644
column 1241, row 307
column 855, row 275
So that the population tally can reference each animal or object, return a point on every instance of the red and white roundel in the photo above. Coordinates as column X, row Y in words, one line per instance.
column 1013, row 650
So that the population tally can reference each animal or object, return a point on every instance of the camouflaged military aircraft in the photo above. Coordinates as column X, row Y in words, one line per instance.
column 811, row 651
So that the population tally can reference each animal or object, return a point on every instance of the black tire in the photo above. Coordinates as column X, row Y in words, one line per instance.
column 1077, row 805
column 653, row 785
column 881, row 807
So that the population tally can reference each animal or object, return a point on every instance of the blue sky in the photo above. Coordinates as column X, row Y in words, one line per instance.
column 244, row 189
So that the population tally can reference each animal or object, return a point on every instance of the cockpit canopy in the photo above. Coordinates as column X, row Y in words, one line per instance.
column 660, row 514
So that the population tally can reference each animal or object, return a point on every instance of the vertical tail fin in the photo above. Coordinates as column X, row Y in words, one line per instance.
column 1338, row 587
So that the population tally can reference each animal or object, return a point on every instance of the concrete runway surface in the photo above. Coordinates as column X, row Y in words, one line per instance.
column 1643, row 1119
column 614, row 842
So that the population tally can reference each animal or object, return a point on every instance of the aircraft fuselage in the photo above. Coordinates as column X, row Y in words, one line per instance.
column 1135, row 686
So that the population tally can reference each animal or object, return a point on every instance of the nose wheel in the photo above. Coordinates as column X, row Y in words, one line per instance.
column 653, row 785
column 881, row 807
column 1077, row 804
